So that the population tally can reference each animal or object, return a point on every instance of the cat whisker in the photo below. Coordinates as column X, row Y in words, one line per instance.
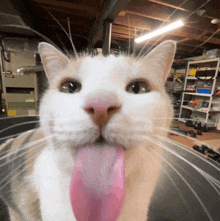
column 11, row 136
column 70, row 35
column 19, row 124
column 166, row 33
column 171, row 179
column 11, row 160
column 213, row 182
column 64, row 47
column 129, row 35
column 188, row 151
column 177, row 172
column 24, row 146
column 185, row 181
column 9, row 176
column 177, row 133
column 162, row 35
column 67, row 117
column 201, row 6
column 166, row 118
column 70, row 38
column 134, row 45
column 206, row 40
column 207, row 176
column 18, row 116
column 155, row 43
column 12, row 175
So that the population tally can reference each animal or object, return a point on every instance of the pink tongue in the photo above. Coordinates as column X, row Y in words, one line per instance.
column 97, row 184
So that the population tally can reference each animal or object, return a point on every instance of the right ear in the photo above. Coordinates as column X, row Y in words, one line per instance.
column 52, row 59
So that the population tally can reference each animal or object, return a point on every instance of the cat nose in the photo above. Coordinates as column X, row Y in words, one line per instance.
column 101, row 108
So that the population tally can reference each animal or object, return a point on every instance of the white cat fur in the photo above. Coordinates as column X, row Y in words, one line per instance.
column 64, row 115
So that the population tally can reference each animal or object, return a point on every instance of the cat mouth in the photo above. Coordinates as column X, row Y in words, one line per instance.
column 101, row 140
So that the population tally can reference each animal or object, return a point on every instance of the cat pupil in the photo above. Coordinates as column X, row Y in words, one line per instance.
column 72, row 87
column 135, row 87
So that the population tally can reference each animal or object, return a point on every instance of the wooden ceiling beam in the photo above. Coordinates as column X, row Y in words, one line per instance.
column 119, row 36
column 183, row 40
column 211, row 8
column 82, row 8
column 175, row 6
column 185, row 54
column 153, row 11
column 127, row 28
column 191, row 48
column 185, row 35
column 188, row 48
column 212, row 13
column 162, row 15
column 134, row 22
column 124, row 30
column 178, row 4
column 145, row 24
column 181, row 34
column 131, row 36
column 180, row 46
column 194, row 36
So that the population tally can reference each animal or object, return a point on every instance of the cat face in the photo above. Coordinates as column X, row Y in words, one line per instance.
column 118, row 99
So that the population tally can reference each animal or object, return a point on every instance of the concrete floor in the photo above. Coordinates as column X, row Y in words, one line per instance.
column 210, row 138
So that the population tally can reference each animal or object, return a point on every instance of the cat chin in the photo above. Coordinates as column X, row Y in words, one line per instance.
column 60, row 142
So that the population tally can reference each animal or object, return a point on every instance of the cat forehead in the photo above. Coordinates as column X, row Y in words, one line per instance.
column 105, row 66
column 106, row 63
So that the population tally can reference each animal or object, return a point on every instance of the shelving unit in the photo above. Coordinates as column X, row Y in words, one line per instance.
column 178, row 68
column 209, row 97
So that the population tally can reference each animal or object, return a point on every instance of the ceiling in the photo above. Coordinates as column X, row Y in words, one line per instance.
column 130, row 19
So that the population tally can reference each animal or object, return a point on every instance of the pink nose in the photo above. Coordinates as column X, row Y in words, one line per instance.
column 102, row 107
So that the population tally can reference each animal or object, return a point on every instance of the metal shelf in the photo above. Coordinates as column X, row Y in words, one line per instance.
column 191, row 78
column 204, row 61
column 182, row 120
column 216, row 63
column 190, row 108
column 198, row 94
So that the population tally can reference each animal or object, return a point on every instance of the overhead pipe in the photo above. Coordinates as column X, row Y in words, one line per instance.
column 107, row 31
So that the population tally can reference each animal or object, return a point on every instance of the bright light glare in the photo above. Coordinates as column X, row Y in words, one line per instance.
column 160, row 31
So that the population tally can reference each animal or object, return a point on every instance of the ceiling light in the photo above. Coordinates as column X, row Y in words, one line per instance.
column 215, row 21
column 160, row 31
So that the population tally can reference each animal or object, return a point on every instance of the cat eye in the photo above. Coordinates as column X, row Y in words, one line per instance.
column 138, row 87
column 70, row 87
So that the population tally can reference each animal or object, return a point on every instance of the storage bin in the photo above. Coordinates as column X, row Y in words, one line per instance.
column 203, row 91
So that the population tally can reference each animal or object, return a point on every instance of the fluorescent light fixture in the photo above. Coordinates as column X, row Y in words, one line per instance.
column 160, row 31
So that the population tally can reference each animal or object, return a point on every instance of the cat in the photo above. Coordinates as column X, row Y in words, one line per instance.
column 95, row 119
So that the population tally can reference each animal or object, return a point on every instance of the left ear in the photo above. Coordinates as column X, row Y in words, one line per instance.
column 52, row 59
column 162, row 56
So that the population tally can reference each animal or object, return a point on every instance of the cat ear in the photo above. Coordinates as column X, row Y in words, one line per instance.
column 162, row 57
column 52, row 59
